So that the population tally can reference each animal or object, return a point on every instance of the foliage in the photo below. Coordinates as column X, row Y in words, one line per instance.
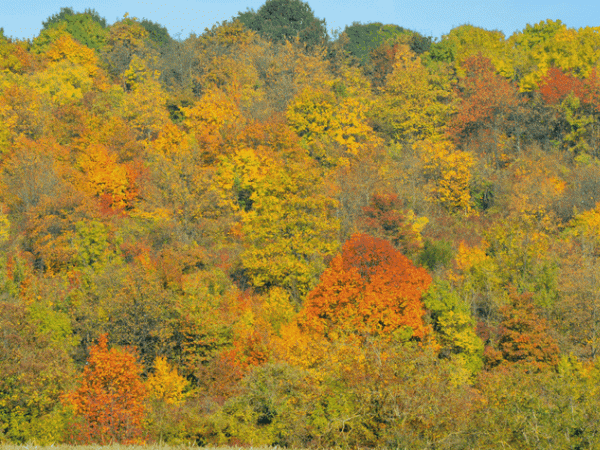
column 157, row 33
column 281, row 20
column 88, row 28
column 244, row 206
column 526, row 408
column 415, row 102
column 35, row 369
column 386, row 217
column 362, row 39
column 488, row 108
column 126, row 38
column 369, row 289
column 289, row 226
column 110, row 398
column 335, row 128
column 454, row 327
column 165, row 383
column 468, row 41
column 523, row 336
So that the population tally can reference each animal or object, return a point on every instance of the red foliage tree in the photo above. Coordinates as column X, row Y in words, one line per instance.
column 523, row 336
column 369, row 289
column 557, row 85
column 589, row 91
column 385, row 217
column 111, row 397
column 382, row 60
column 488, row 103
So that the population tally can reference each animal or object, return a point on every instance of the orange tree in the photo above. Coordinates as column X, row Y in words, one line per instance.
column 368, row 289
column 110, row 399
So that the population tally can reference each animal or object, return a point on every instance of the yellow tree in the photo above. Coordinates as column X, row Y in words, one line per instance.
column 165, row 383
column 334, row 125
column 287, row 222
column 415, row 102
column 106, row 179
column 225, row 59
column 449, row 173
column 212, row 121
column 469, row 40
column 144, row 104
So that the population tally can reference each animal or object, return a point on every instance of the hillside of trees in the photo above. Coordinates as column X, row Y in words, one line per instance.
column 266, row 235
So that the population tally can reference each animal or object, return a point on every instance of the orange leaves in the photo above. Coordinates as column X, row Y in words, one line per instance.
column 556, row 85
column 369, row 289
column 106, row 179
column 111, row 396
column 487, row 101
column 65, row 48
column 210, row 121
column 524, row 336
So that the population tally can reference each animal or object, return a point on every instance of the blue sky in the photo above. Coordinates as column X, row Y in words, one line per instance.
column 23, row 18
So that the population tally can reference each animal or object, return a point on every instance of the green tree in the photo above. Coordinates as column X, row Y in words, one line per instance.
column 157, row 33
column 281, row 20
column 454, row 327
column 362, row 39
column 88, row 27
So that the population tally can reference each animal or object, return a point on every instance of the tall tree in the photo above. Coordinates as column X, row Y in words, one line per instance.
column 111, row 396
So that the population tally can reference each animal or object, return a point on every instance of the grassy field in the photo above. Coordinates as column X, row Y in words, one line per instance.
column 92, row 447
column 119, row 447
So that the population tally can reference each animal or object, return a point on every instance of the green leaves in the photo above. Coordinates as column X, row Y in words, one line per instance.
column 281, row 20
column 87, row 28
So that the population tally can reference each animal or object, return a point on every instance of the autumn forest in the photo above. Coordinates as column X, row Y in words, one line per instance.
column 265, row 234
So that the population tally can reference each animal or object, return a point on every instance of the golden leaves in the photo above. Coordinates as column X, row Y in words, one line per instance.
column 165, row 383
column 449, row 172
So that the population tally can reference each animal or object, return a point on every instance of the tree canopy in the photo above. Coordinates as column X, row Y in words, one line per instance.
column 281, row 20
